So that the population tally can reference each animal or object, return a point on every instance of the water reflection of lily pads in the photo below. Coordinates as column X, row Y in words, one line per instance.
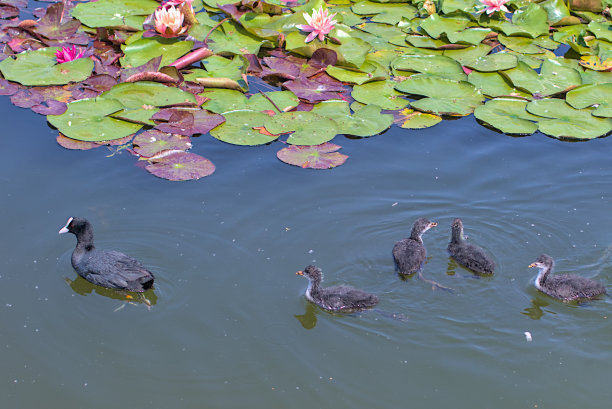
column 88, row 120
column 324, row 156
column 599, row 95
column 367, row 121
column 562, row 121
column 411, row 119
column 239, row 128
column 40, row 68
column 153, row 142
column 444, row 96
column 307, row 128
column 508, row 115
column 181, row 166
column 381, row 93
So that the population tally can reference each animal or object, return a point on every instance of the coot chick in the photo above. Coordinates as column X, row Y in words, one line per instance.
column 566, row 287
column 468, row 255
column 409, row 254
column 110, row 269
column 339, row 298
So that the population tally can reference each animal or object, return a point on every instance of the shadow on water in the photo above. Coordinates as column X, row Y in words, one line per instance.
column 83, row 287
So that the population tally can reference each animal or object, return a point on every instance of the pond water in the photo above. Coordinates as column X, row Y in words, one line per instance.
column 229, row 326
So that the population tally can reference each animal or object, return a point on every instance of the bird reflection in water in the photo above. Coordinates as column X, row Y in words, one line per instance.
column 84, row 287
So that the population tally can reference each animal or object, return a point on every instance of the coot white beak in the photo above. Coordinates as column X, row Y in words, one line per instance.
column 65, row 228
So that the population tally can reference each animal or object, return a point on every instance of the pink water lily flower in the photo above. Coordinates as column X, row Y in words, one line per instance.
column 492, row 6
column 169, row 22
column 68, row 54
column 319, row 24
column 175, row 3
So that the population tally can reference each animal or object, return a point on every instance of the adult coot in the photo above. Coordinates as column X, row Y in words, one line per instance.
column 340, row 298
column 468, row 255
column 566, row 287
column 110, row 269
column 409, row 254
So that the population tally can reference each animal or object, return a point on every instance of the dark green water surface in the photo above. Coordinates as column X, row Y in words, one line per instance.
column 230, row 327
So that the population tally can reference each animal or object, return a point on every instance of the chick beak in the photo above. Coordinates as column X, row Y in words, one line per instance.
column 532, row 265
column 299, row 273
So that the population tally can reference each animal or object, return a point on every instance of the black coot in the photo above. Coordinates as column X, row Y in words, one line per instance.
column 409, row 254
column 566, row 287
column 110, row 269
column 338, row 298
column 468, row 255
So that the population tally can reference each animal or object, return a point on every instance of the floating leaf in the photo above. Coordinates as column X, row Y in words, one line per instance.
column 567, row 122
column 114, row 13
column 87, row 120
column 554, row 78
column 439, row 65
column 444, row 96
column 390, row 13
column 222, row 101
column 187, row 122
column 181, row 166
column 137, row 94
column 239, row 128
column 40, row 68
column 74, row 144
column 322, row 156
column 367, row 121
column 411, row 119
column 141, row 51
column 599, row 95
column 381, row 93
column 527, row 45
column 51, row 25
column 307, row 128
column 436, row 25
column 153, row 142
column 493, row 84
column 494, row 62
column 314, row 90
column 508, row 115
column 370, row 71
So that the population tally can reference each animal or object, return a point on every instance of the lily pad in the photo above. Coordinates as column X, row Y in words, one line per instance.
column 380, row 93
column 554, row 78
column 153, row 142
column 222, row 100
column 528, row 45
column 562, row 121
column 440, row 65
column 307, row 128
column 240, row 129
column 444, row 96
column 494, row 62
column 137, row 94
column 322, row 156
column 40, row 68
column 114, row 13
column 141, row 51
column 411, row 119
column 599, row 95
column 88, row 120
column 181, row 166
column 508, row 115
column 493, row 84
column 187, row 122
column 367, row 121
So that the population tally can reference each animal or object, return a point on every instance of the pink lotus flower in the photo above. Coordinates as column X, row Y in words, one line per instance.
column 319, row 24
column 175, row 3
column 169, row 22
column 68, row 54
column 491, row 6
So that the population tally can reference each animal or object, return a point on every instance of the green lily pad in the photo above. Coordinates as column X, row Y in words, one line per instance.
column 435, row 25
column 533, row 20
column 181, row 166
column 220, row 67
column 40, row 68
column 222, row 100
column 599, row 95
column 322, row 156
column 444, row 96
column 554, row 78
column 469, row 54
column 494, row 62
column 528, row 45
column 440, row 65
column 239, row 129
column 562, row 121
column 493, row 84
column 308, row 128
column 370, row 71
column 472, row 36
column 411, row 119
column 114, row 13
column 425, row 41
column 137, row 115
column 367, row 121
column 381, row 93
column 508, row 115
column 385, row 12
column 231, row 38
column 153, row 142
column 138, row 94
column 87, row 120
column 602, row 31
column 141, row 51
